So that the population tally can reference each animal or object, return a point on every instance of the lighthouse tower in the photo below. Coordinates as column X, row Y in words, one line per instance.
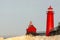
column 50, row 21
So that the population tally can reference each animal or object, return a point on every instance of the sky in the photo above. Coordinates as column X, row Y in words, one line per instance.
column 15, row 15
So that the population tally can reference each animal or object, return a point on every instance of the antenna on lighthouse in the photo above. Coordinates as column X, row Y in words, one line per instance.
column 30, row 23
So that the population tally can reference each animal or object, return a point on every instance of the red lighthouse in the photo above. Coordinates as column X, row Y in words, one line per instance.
column 31, row 29
column 50, row 21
